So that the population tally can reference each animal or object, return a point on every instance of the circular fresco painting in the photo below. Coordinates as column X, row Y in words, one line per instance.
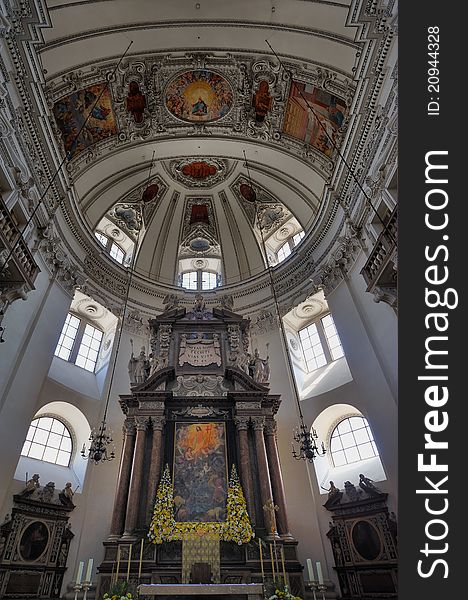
column 34, row 541
column 199, row 95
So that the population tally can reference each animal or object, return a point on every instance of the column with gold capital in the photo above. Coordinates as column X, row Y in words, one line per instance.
column 242, row 426
column 123, row 483
column 276, row 478
column 141, row 424
column 266, row 494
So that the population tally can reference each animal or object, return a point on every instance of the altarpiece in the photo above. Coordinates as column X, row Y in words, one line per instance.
column 201, row 411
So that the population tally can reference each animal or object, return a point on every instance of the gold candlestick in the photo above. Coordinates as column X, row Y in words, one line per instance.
column 261, row 559
column 118, row 564
column 272, row 562
column 282, row 564
column 129, row 559
column 141, row 559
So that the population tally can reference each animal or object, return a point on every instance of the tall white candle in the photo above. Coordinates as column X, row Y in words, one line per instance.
column 89, row 570
column 310, row 570
column 319, row 573
column 79, row 573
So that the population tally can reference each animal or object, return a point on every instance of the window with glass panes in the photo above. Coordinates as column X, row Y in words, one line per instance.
column 283, row 252
column 320, row 343
column 103, row 239
column 352, row 441
column 89, row 348
column 117, row 253
column 48, row 439
column 298, row 237
column 190, row 280
column 79, row 343
column 199, row 280
column 67, row 337
column 289, row 245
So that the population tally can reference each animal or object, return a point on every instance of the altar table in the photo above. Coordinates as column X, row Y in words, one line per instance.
column 253, row 591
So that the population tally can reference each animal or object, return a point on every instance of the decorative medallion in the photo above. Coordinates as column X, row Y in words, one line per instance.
column 72, row 111
column 200, row 245
column 199, row 172
column 199, row 96
column 150, row 193
column 247, row 192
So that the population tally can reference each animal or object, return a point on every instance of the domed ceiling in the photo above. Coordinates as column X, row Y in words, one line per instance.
column 236, row 107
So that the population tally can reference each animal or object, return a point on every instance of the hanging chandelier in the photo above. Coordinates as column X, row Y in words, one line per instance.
column 102, row 446
column 306, row 439
column 101, row 441
column 308, row 449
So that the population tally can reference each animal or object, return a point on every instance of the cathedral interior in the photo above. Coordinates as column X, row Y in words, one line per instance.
column 198, row 297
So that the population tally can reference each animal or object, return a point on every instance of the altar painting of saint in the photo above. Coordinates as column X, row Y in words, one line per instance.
column 200, row 472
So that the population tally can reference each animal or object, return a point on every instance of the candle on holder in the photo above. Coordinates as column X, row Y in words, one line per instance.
column 272, row 563
column 129, row 560
column 282, row 564
column 310, row 570
column 79, row 573
column 261, row 559
column 118, row 564
column 319, row 573
column 89, row 570
column 141, row 559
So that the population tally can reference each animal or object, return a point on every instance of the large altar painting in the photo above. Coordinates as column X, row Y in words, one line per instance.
column 71, row 112
column 200, row 472
column 199, row 95
column 301, row 123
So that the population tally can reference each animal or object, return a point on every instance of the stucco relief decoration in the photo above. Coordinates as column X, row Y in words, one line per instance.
column 200, row 385
column 127, row 217
column 199, row 349
column 199, row 172
column 301, row 123
column 72, row 111
column 199, row 96
column 263, row 211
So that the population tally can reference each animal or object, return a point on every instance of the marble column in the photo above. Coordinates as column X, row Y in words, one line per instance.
column 155, row 464
column 242, row 425
column 276, row 478
column 263, row 474
column 123, row 483
column 136, row 478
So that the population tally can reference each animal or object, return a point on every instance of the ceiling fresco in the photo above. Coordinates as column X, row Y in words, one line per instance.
column 199, row 95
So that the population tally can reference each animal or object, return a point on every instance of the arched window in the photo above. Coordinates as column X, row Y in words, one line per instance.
column 50, row 440
column 79, row 343
column 352, row 441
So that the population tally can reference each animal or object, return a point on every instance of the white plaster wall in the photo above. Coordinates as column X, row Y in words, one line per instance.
column 27, row 371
